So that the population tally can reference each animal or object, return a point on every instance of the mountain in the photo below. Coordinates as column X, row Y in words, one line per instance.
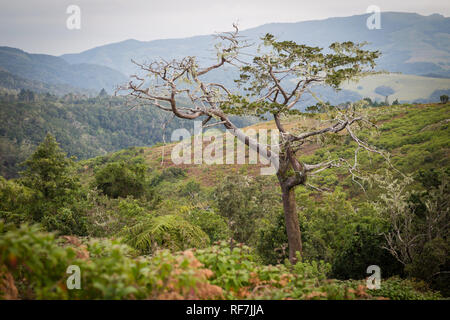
column 14, row 82
column 410, row 43
column 56, row 71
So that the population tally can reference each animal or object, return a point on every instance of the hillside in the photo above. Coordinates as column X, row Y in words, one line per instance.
column 85, row 127
column 16, row 83
column 141, row 228
column 56, row 71
column 417, row 136
column 410, row 43
column 407, row 88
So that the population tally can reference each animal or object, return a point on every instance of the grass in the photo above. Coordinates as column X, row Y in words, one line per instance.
column 407, row 87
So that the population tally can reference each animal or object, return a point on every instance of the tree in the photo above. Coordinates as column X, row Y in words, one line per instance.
column 419, row 224
column 385, row 91
column 102, row 93
column 274, row 82
column 121, row 179
column 57, row 190
column 444, row 98
column 236, row 199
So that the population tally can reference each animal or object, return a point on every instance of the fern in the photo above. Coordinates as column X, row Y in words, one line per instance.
column 169, row 231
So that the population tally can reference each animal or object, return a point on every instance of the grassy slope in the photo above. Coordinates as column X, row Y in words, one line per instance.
column 407, row 87
column 417, row 136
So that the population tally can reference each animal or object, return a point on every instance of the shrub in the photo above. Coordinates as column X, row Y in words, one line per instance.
column 365, row 248
column 121, row 179
column 211, row 223
column 399, row 289
column 33, row 266
column 272, row 241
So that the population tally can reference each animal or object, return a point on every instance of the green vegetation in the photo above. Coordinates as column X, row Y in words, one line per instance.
column 175, row 235
column 33, row 266
column 85, row 127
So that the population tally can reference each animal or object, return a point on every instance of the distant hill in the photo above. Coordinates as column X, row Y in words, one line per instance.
column 56, row 71
column 14, row 82
column 410, row 43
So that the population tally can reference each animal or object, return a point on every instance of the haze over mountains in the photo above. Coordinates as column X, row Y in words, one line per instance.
column 410, row 43
column 56, row 71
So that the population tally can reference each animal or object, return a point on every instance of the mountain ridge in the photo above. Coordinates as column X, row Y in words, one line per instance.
column 393, row 39
column 56, row 71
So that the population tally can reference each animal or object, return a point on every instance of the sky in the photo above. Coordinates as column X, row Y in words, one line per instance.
column 40, row 26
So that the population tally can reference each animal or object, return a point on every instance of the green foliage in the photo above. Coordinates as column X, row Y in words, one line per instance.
column 30, row 254
column 362, row 249
column 305, row 64
column 272, row 242
column 342, row 229
column 35, row 263
column 85, row 127
column 418, row 235
column 243, row 201
column 238, row 271
column 57, row 192
column 167, row 231
column 444, row 98
column 15, row 201
column 121, row 179
column 211, row 223
column 170, row 174
column 399, row 289
column 109, row 270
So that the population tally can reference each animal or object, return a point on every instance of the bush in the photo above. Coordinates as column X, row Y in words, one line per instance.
column 365, row 248
column 399, row 289
column 33, row 266
column 211, row 223
column 121, row 179
column 15, row 201
column 272, row 242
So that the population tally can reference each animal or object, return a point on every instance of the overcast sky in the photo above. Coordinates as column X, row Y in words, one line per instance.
column 39, row 26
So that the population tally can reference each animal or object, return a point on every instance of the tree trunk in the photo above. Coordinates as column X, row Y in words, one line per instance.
column 291, row 173
column 292, row 225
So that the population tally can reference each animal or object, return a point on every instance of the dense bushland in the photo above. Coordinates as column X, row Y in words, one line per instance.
column 173, row 236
